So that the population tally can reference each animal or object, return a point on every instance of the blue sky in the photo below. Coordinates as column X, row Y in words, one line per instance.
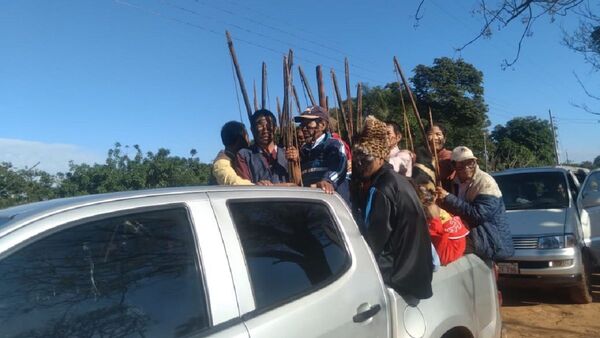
column 78, row 76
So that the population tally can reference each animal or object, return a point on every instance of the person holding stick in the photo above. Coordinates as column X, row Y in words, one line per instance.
column 263, row 163
column 323, row 158
column 436, row 137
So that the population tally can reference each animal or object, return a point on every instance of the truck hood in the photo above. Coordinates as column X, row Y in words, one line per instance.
column 536, row 222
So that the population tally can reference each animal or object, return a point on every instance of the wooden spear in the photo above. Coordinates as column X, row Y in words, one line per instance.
column 359, row 107
column 255, row 98
column 278, row 108
column 438, row 180
column 414, row 103
column 306, row 85
column 239, row 74
column 263, row 101
column 407, row 131
column 296, row 99
column 349, row 97
column 341, row 106
column 321, row 88
column 288, row 129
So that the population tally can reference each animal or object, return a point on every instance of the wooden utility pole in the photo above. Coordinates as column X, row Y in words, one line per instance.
column 306, row 85
column 413, row 102
column 321, row 88
column 263, row 101
column 557, row 159
column 238, row 72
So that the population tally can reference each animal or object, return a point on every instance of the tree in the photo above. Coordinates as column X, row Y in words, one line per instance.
column 453, row 89
column 524, row 141
column 121, row 172
column 18, row 186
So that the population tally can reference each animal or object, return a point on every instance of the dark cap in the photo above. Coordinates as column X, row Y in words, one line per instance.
column 313, row 113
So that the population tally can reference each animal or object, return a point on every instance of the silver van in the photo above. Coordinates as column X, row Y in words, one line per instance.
column 546, row 224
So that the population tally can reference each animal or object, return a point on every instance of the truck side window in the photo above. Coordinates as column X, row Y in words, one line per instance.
column 291, row 248
column 131, row 275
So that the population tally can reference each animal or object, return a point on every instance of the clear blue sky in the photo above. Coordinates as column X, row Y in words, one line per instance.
column 78, row 76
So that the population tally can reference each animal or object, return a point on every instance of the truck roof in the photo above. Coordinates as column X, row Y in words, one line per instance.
column 531, row 170
column 18, row 215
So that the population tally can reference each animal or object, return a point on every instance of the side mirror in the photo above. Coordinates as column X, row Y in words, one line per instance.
column 590, row 199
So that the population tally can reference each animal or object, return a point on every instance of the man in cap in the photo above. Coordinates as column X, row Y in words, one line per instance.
column 263, row 162
column 323, row 159
column 394, row 223
column 479, row 203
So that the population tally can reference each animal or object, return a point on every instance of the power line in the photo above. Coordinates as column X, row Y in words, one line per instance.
column 212, row 31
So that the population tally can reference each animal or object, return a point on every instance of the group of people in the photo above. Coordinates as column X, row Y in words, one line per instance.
column 414, row 213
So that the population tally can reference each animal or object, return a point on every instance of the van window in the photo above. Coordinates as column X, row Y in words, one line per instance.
column 539, row 190
column 132, row 275
column 291, row 248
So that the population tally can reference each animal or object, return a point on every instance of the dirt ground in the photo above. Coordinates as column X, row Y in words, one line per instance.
column 547, row 313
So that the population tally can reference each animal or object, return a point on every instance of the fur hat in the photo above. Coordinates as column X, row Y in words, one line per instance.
column 372, row 140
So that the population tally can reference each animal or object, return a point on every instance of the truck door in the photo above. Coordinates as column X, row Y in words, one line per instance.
column 300, row 267
column 588, row 203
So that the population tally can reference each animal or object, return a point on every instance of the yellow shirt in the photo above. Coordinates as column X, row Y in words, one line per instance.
column 224, row 172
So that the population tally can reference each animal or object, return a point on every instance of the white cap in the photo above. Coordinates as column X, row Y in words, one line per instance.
column 462, row 153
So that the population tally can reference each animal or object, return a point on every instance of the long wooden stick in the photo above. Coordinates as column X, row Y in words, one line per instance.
column 407, row 131
column 349, row 97
column 341, row 106
column 306, row 85
column 239, row 74
column 263, row 101
column 414, row 103
column 296, row 99
column 359, row 107
column 255, row 98
column 438, row 179
column 321, row 87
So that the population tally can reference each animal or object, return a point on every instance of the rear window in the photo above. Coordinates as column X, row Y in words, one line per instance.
column 541, row 190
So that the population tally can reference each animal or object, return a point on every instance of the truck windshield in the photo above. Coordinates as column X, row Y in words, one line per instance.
column 540, row 190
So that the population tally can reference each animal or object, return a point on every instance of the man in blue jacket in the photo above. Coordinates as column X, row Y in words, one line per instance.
column 479, row 203
column 323, row 159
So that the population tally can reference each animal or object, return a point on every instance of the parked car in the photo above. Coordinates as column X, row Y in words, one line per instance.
column 218, row 262
column 546, row 225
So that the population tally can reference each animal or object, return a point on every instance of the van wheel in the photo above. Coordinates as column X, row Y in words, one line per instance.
column 581, row 293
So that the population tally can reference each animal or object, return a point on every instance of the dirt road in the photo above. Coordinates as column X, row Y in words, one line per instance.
column 546, row 313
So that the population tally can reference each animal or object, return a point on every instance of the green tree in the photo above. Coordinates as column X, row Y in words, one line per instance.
column 522, row 142
column 453, row 89
column 121, row 172
column 18, row 186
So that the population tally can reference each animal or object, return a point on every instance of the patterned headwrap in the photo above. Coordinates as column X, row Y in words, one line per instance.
column 372, row 140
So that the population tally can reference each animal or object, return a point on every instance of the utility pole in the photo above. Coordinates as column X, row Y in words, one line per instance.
column 554, row 138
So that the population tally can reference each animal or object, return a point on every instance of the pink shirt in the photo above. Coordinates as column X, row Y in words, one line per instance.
column 401, row 160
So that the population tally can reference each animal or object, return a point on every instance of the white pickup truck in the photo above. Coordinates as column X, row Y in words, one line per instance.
column 217, row 262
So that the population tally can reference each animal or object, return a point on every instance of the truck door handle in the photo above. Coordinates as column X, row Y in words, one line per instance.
column 362, row 316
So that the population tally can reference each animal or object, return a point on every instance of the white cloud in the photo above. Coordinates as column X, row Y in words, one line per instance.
column 52, row 157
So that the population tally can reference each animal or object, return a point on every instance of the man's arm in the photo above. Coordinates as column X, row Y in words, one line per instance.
column 474, row 213
column 226, row 175
column 337, row 162
column 377, row 220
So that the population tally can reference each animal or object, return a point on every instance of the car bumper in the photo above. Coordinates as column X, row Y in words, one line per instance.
column 554, row 267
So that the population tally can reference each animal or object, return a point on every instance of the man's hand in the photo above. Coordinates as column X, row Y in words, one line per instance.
column 326, row 186
column 292, row 154
column 264, row 183
column 441, row 193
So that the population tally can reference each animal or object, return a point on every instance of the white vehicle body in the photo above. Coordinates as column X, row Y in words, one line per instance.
column 192, row 262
